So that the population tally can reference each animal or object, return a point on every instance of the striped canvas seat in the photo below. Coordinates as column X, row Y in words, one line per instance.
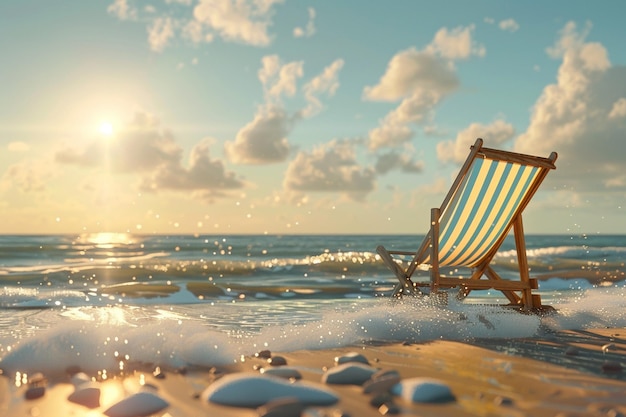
column 484, row 203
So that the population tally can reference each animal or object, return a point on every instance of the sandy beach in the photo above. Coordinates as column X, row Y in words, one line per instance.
column 566, row 373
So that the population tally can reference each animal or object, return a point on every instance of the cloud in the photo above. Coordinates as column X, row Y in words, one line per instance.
column 330, row 167
column 456, row 43
column 410, row 72
column 138, row 147
column 24, row 177
column 263, row 140
column 619, row 109
column 143, row 147
column 196, row 33
column 203, row 174
column 509, row 25
column 309, row 29
column 419, row 79
column 18, row 146
column 392, row 161
column 244, row 21
column 494, row 135
column 279, row 79
column 160, row 33
column 122, row 10
column 581, row 116
column 325, row 83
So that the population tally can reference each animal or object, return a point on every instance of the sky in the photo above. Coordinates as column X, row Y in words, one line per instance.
column 302, row 116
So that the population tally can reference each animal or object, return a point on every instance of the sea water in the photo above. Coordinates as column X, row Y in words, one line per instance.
column 105, row 301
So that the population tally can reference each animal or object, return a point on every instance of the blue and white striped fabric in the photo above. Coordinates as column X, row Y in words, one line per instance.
column 481, row 210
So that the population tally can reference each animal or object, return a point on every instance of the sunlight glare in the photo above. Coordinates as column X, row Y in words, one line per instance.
column 106, row 129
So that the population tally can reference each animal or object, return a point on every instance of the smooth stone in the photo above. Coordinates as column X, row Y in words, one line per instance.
column 264, row 354
column 283, row 407
column 37, row 380
column 611, row 367
column 137, row 405
column 352, row 373
column 381, row 384
column 283, row 372
column 250, row 390
column 158, row 374
column 351, row 357
column 384, row 373
column 277, row 361
column 33, row 393
column 87, row 394
column 423, row 390
column 79, row 379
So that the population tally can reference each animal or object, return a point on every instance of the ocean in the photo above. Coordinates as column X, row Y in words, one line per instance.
column 106, row 302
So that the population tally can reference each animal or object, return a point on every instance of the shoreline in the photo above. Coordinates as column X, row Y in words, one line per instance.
column 563, row 373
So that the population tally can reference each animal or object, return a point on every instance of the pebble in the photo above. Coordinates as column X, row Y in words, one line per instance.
column 423, row 390
column 37, row 380
column 571, row 351
column 243, row 389
column 350, row 373
column 283, row 407
column 277, row 361
column 283, row 372
column 33, row 393
column 79, row 378
column 381, row 384
column 86, row 394
column 264, row 354
column 158, row 374
column 351, row 357
column 611, row 367
column 137, row 405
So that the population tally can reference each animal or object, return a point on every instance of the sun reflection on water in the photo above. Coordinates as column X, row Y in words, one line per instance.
column 108, row 240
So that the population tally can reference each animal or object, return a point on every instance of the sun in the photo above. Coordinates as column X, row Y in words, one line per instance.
column 106, row 129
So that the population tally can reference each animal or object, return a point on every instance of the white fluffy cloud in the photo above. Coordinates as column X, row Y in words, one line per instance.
column 309, row 29
column 244, row 21
column 331, row 167
column 456, row 43
column 122, row 10
column 279, row 79
column 203, row 174
column 392, row 161
column 325, row 83
column 494, row 134
column 581, row 116
column 263, row 140
column 160, row 33
column 509, row 25
column 413, row 71
column 420, row 79
column 144, row 148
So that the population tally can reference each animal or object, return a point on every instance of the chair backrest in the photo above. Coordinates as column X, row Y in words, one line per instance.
column 494, row 188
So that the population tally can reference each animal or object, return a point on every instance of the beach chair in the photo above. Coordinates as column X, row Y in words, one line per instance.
column 486, row 200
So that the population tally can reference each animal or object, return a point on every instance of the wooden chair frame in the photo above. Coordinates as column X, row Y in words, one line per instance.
column 519, row 293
